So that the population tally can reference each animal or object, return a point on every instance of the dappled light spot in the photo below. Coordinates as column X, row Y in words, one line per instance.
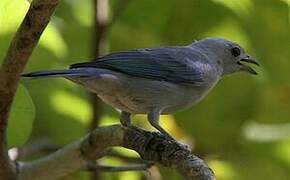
column 169, row 123
column 254, row 131
column 241, row 7
column 71, row 105
column 11, row 19
column 108, row 120
column 53, row 41
column 282, row 152
column 11, row 14
column 223, row 169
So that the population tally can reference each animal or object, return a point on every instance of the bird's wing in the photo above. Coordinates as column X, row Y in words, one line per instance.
column 162, row 64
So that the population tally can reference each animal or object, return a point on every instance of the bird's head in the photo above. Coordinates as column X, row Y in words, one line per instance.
column 230, row 56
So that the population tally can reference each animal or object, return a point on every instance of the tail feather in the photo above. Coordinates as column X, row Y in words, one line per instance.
column 58, row 73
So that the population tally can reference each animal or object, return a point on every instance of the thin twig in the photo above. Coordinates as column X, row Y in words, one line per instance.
column 99, row 48
column 37, row 146
column 132, row 167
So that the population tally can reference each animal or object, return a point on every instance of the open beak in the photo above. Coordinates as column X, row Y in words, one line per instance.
column 250, row 60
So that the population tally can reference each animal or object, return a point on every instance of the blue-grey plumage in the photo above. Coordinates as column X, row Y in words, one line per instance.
column 158, row 80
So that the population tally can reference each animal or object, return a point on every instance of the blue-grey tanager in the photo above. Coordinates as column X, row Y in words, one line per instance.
column 156, row 81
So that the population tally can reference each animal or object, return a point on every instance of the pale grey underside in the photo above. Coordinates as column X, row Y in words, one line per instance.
column 139, row 95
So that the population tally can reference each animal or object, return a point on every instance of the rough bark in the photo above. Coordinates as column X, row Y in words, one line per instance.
column 150, row 146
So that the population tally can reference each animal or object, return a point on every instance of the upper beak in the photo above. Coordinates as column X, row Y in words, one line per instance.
column 247, row 68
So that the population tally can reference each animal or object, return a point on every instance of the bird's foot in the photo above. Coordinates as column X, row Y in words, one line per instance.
column 167, row 136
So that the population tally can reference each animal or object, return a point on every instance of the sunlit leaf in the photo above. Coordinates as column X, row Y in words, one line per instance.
column 10, row 19
column 11, row 14
column 53, row 41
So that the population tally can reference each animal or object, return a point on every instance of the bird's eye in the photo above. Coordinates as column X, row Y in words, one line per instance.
column 236, row 51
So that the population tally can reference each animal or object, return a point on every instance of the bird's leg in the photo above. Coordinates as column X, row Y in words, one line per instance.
column 153, row 118
column 125, row 119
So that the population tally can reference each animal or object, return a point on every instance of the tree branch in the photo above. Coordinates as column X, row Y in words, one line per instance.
column 16, row 58
column 150, row 146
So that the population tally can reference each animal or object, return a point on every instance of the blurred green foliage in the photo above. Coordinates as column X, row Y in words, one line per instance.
column 21, row 118
column 241, row 128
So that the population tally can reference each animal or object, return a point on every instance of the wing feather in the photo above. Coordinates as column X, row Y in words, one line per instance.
column 162, row 64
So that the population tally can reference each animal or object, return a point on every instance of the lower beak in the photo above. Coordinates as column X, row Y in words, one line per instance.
column 244, row 67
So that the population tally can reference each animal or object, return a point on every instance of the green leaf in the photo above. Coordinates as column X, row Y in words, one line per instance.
column 21, row 118
column 10, row 19
column 53, row 41
column 11, row 14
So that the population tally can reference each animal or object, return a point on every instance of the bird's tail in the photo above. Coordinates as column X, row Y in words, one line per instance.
column 60, row 73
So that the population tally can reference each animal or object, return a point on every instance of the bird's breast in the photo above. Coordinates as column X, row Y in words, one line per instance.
column 141, row 96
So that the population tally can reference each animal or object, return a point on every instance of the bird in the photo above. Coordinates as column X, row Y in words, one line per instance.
column 156, row 81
